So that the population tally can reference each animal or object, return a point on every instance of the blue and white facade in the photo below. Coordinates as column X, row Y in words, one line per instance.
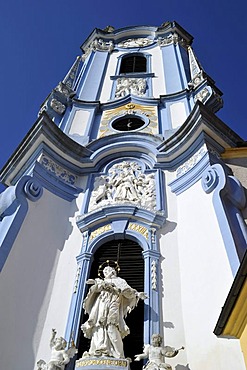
column 126, row 147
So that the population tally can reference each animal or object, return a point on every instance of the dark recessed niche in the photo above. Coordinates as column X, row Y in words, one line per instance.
column 128, row 124
column 133, row 64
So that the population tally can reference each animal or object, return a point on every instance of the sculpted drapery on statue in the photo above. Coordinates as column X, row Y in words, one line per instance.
column 125, row 183
column 108, row 302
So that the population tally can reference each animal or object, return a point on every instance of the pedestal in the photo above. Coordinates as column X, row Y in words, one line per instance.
column 101, row 363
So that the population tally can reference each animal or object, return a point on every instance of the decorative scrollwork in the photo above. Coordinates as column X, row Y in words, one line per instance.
column 154, row 274
column 210, row 180
column 99, row 231
column 33, row 190
column 98, row 45
column 139, row 228
column 172, row 38
column 77, row 278
column 190, row 163
column 60, row 172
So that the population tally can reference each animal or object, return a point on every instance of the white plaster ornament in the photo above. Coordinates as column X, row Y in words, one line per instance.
column 108, row 302
column 60, row 356
column 125, row 183
column 134, row 86
column 135, row 43
column 156, row 354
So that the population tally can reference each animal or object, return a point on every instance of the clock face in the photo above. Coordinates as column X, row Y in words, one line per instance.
column 128, row 123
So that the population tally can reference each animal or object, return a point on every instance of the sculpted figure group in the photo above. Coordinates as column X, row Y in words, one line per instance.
column 125, row 183
column 107, row 303
column 135, row 86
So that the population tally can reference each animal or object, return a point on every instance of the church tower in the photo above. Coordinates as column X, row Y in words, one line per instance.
column 127, row 163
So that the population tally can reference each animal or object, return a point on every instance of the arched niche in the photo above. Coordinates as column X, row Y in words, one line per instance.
column 123, row 231
column 129, row 255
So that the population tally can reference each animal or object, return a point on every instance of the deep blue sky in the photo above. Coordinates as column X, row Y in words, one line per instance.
column 40, row 40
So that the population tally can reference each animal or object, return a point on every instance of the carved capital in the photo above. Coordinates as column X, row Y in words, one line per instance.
column 172, row 38
column 98, row 45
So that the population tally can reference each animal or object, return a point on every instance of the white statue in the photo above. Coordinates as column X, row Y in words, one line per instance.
column 156, row 354
column 125, row 187
column 59, row 355
column 108, row 302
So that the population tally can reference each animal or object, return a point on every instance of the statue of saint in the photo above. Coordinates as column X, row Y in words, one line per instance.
column 59, row 355
column 108, row 302
column 156, row 354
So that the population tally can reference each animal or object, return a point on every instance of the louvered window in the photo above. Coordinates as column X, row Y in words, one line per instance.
column 133, row 64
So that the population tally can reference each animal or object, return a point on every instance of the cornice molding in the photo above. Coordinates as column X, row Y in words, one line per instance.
column 232, row 153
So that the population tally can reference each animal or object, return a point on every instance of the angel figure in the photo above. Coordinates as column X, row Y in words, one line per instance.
column 59, row 355
column 156, row 354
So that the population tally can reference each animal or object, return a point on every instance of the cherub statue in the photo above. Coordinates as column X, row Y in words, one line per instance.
column 156, row 354
column 59, row 355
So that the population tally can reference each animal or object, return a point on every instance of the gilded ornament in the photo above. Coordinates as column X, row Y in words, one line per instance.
column 99, row 231
column 81, row 362
column 129, row 109
column 140, row 229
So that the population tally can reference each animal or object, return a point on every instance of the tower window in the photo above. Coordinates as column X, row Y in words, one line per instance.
column 133, row 64
column 128, row 123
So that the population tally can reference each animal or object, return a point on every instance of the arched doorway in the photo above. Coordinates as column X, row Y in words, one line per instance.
column 131, row 262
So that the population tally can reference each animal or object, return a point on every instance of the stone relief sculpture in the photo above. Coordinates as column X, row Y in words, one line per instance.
column 108, row 302
column 156, row 354
column 57, row 106
column 101, row 45
column 203, row 95
column 135, row 86
column 59, row 355
column 135, row 43
column 170, row 39
column 98, row 45
column 125, row 183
